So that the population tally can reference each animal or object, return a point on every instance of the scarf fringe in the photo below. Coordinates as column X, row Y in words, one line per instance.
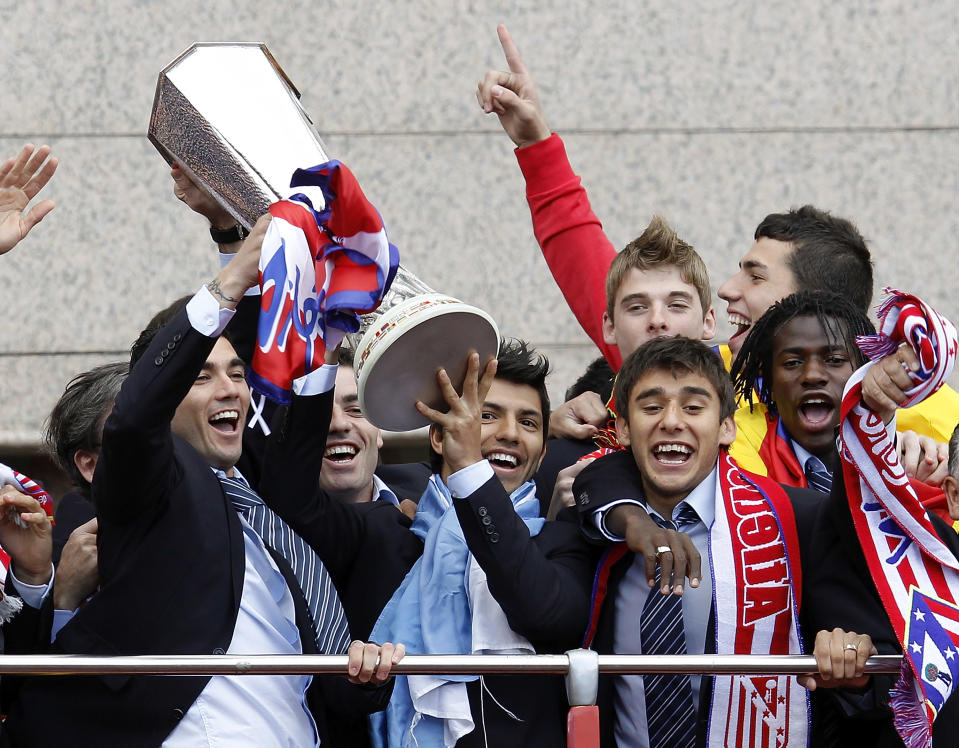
column 876, row 346
column 9, row 607
column 909, row 717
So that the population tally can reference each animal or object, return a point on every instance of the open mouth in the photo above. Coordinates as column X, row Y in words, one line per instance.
column 742, row 324
column 340, row 453
column 503, row 460
column 226, row 421
column 672, row 454
column 817, row 411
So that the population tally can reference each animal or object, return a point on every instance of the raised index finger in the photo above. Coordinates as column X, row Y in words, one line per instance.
column 513, row 59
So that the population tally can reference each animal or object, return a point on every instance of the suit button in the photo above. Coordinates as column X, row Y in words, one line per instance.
column 487, row 521
column 177, row 337
column 494, row 537
column 178, row 714
column 218, row 651
column 164, row 353
column 482, row 511
column 158, row 360
column 170, row 346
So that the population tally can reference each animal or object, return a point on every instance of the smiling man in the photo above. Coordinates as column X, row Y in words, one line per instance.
column 182, row 570
column 494, row 577
column 675, row 416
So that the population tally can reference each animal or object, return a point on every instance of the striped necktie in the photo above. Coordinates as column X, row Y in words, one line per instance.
column 817, row 477
column 326, row 610
column 670, row 712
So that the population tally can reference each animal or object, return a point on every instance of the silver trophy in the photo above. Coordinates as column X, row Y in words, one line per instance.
column 232, row 119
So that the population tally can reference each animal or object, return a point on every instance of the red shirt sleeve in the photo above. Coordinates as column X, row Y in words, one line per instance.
column 577, row 251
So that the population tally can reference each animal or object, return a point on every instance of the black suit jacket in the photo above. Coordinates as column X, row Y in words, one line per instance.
column 614, row 477
column 171, row 563
column 839, row 592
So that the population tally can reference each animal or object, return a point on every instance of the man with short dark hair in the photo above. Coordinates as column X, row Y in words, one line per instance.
column 675, row 416
column 181, row 569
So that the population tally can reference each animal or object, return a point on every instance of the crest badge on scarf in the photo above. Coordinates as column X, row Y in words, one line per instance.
column 320, row 269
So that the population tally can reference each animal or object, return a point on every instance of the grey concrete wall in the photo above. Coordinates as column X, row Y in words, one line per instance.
column 710, row 112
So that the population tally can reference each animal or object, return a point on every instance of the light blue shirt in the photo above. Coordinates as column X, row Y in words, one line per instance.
column 258, row 710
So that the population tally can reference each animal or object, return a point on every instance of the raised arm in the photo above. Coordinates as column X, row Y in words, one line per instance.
column 21, row 179
column 569, row 233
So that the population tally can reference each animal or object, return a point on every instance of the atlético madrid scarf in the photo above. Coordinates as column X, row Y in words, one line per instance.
column 914, row 571
column 325, row 260
column 754, row 551
column 10, row 605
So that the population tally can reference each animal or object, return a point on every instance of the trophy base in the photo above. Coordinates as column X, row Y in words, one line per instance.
column 397, row 358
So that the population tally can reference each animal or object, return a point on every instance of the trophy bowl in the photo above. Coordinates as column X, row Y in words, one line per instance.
column 397, row 358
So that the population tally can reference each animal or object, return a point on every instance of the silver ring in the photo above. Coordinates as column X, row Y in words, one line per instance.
column 663, row 549
column 853, row 647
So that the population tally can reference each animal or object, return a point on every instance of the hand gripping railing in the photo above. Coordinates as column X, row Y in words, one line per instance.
column 581, row 667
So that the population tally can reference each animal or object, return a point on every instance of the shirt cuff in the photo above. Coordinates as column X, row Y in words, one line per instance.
column 60, row 619
column 467, row 481
column 599, row 518
column 32, row 594
column 316, row 382
column 225, row 258
column 205, row 314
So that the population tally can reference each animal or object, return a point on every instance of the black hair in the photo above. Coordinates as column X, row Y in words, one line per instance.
column 76, row 421
column 829, row 252
column 597, row 378
column 519, row 363
column 675, row 355
column 160, row 320
column 838, row 317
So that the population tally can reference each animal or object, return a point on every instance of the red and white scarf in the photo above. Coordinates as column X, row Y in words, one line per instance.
column 754, row 550
column 914, row 571
column 325, row 260
column 11, row 605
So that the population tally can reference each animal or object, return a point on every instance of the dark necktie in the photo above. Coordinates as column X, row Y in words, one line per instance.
column 326, row 610
column 818, row 478
column 670, row 712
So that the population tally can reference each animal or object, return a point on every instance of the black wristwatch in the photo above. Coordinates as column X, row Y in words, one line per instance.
column 232, row 235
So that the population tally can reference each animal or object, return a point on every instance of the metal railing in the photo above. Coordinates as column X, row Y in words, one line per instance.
column 421, row 664
column 581, row 668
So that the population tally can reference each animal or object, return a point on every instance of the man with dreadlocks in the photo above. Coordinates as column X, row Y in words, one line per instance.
column 795, row 362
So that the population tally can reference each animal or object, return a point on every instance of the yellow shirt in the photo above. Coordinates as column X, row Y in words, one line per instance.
column 936, row 416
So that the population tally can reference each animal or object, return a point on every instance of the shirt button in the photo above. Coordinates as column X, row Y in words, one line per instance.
column 209, row 320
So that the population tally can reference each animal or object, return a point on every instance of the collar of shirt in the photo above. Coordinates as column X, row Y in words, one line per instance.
column 702, row 499
column 382, row 492
column 237, row 476
column 807, row 459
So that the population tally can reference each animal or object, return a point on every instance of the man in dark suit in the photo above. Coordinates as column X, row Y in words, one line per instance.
column 540, row 582
column 675, row 416
column 181, row 572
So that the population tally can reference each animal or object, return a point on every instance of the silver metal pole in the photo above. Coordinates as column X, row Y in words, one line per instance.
column 420, row 664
